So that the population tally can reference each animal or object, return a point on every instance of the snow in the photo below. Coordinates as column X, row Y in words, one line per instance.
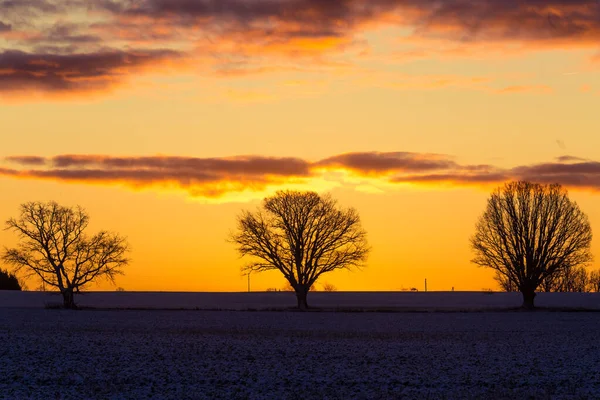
column 291, row 355
column 274, row 300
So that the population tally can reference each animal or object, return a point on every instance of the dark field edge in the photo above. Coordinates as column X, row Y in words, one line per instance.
column 348, row 310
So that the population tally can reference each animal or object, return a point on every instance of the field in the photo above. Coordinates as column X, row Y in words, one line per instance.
column 290, row 355
column 401, row 301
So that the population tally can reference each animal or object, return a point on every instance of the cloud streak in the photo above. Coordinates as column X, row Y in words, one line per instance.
column 376, row 163
column 254, row 176
column 22, row 72
column 200, row 177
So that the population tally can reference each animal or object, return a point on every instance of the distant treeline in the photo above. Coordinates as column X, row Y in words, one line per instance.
column 8, row 281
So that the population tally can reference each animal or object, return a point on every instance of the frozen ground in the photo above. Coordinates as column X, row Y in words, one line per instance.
column 271, row 300
column 290, row 355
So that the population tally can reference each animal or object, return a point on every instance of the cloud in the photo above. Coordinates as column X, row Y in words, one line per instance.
column 254, row 176
column 27, row 160
column 225, row 36
column 23, row 72
column 201, row 177
column 385, row 163
column 246, row 165
column 581, row 174
column 455, row 19
column 571, row 172
column 567, row 158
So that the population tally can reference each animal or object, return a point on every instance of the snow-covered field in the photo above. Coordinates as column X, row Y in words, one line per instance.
column 273, row 300
column 289, row 355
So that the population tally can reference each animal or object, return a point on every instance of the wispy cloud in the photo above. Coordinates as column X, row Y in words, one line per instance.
column 26, row 160
column 221, row 179
column 567, row 158
column 525, row 89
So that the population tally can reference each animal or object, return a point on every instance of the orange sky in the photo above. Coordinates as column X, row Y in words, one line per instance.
column 165, row 119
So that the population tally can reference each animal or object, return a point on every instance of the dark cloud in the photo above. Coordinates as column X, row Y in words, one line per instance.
column 570, row 173
column 72, row 72
column 559, row 169
column 581, row 174
column 375, row 162
column 252, row 165
column 253, row 31
column 244, row 11
column 514, row 19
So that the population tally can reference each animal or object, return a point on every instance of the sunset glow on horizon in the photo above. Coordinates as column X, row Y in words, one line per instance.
column 165, row 119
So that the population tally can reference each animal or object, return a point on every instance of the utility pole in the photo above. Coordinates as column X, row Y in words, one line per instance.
column 425, row 284
column 248, row 281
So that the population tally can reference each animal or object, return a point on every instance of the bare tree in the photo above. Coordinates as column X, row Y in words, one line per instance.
column 594, row 281
column 54, row 247
column 303, row 235
column 329, row 287
column 530, row 232
column 577, row 280
column 574, row 279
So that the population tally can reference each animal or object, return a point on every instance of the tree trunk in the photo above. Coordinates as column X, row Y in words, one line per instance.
column 301, row 294
column 528, row 296
column 68, row 299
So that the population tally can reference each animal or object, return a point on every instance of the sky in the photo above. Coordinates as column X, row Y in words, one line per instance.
column 165, row 119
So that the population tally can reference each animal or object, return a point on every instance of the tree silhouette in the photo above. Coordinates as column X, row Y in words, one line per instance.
column 329, row 287
column 594, row 281
column 303, row 235
column 8, row 281
column 530, row 232
column 574, row 279
column 54, row 247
